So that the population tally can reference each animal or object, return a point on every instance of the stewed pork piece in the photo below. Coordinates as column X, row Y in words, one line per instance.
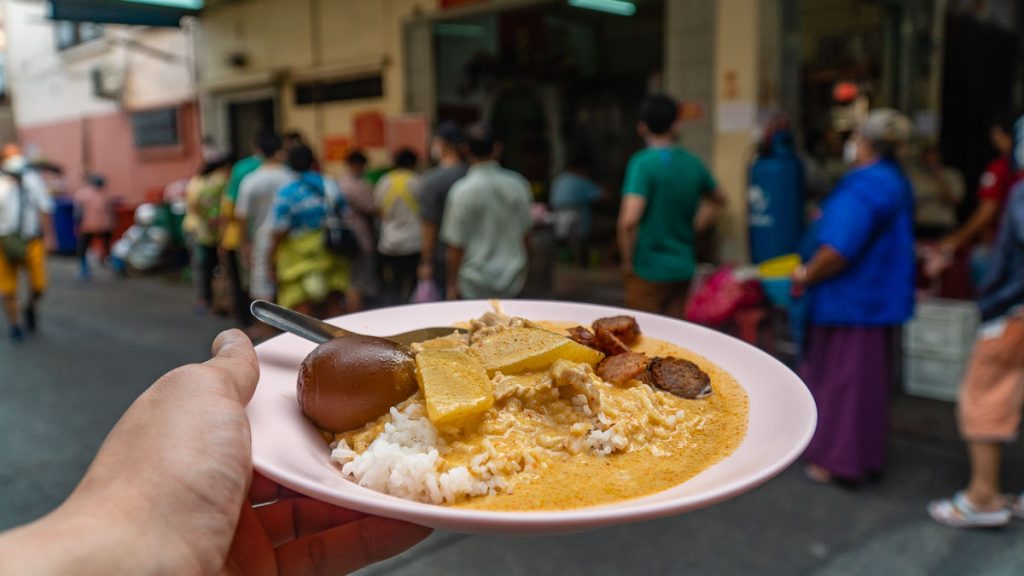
column 680, row 377
column 581, row 335
column 624, row 328
column 622, row 368
column 609, row 343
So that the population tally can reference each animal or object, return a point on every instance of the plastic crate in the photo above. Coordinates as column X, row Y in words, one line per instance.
column 943, row 328
column 933, row 376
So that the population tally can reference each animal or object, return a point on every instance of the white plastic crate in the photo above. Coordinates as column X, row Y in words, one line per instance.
column 933, row 376
column 937, row 347
column 942, row 328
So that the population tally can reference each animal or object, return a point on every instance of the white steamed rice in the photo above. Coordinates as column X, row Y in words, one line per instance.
column 405, row 461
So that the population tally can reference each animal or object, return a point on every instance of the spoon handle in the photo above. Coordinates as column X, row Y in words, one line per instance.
column 291, row 321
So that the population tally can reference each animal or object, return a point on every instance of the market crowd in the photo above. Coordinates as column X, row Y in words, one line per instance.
column 326, row 246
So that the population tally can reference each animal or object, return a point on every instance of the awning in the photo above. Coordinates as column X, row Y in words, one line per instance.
column 167, row 13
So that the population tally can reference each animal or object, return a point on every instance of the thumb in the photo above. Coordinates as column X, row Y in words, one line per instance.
column 235, row 357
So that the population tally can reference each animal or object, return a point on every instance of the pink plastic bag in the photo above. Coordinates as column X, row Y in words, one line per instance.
column 719, row 296
column 426, row 291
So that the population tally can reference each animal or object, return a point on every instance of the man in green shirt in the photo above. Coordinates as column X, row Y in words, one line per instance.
column 668, row 197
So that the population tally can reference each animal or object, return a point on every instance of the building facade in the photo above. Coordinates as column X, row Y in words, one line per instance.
column 554, row 78
column 114, row 100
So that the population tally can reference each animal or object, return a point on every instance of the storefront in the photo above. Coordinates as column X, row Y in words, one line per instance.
column 949, row 65
column 554, row 80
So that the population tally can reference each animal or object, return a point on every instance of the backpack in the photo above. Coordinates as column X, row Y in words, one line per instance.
column 339, row 238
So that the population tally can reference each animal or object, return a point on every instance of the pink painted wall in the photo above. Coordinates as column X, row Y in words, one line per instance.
column 108, row 145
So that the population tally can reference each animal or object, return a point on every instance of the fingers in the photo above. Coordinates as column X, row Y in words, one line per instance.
column 349, row 547
column 264, row 490
column 251, row 551
column 234, row 355
column 291, row 518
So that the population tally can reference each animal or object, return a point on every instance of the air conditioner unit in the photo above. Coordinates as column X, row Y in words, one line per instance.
column 108, row 81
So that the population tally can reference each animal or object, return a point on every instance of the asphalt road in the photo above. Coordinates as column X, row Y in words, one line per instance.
column 101, row 344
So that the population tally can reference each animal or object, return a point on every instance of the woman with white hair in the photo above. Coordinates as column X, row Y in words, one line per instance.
column 859, row 283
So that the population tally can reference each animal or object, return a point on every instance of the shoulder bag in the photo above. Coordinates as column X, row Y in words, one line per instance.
column 14, row 246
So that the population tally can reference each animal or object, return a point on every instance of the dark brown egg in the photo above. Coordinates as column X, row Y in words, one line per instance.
column 349, row 381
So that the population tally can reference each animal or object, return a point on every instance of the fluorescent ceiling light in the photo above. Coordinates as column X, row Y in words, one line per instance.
column 620, row 7
column 184, row 4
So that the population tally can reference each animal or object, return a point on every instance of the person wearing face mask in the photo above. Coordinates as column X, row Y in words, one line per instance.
column 859, row 288
column 434, row 189
column 668, row 197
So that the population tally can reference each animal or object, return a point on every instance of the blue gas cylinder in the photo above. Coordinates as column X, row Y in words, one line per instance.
column 775, row 200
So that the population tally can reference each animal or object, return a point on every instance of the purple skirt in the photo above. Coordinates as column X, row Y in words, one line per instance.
column 849, row 372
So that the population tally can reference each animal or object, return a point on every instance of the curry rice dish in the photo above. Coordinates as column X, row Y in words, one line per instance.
column 526, row 416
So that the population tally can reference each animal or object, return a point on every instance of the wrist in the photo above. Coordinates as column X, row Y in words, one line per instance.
column 77, row 540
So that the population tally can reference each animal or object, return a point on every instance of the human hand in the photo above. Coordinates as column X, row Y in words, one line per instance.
column 425, row 270
column 707, row 214
column 287, row 533
column 937, row 259
column 165, row 491
column 799, row 278
column 1009, row 348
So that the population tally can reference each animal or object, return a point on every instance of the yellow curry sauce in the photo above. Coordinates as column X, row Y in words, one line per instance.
column 542, row 467
column 586, row 479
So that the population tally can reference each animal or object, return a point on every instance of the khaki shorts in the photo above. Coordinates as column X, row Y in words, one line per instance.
column 34, row 265
column 991, row 396
column 667, row 298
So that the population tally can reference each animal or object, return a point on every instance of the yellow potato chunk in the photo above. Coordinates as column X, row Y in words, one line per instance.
column 454, row 384
column 522, row 349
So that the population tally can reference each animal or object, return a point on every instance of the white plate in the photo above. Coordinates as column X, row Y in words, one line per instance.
column 288, row 449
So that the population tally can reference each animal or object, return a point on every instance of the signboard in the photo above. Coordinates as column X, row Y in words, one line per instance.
column 737, row 116
column 337, row 147
column 368, row 130
column 409, row 131
column 690, row 111
column 165, row 13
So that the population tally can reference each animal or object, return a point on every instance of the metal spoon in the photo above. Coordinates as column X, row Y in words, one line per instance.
column 319, row 332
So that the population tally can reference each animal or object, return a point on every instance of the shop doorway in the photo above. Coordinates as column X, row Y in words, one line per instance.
column 553, row 81
column 246, row 120
column 978, row 83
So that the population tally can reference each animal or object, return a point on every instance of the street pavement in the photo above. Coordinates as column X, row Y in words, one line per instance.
column 103, row 343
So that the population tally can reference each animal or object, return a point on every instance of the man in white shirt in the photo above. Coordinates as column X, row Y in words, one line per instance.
column 23, row 197
column 255, row 197
column 485, row 225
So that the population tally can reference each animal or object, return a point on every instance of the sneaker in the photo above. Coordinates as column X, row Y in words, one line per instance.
column 16, row 334
column 30, row 318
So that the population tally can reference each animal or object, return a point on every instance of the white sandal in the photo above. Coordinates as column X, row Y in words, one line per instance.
column 958, row 512
column 1017, row 505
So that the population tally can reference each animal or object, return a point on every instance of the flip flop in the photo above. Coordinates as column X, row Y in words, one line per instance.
column 1016, row 505
column 958, row 512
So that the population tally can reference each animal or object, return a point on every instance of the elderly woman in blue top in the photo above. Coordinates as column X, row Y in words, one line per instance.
column 310, row 278
column 860, row 287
